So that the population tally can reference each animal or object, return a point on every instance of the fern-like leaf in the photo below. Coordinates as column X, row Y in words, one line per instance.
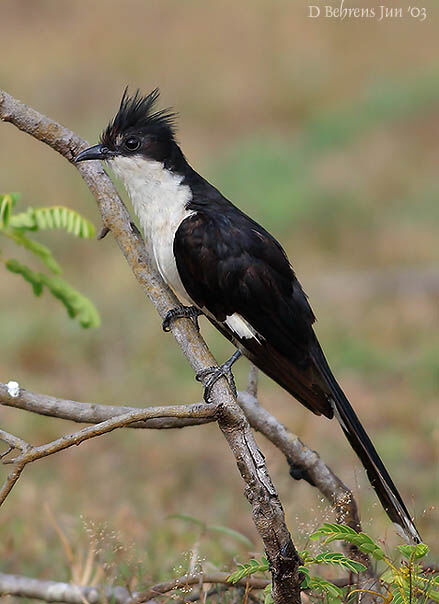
column 414, row 552
column 54, row 217
column 325, row 587
column 245, row 570
column 7, row 202
column 76, row 304
column 36, row 248
column 28, row 274
column 338, row 559
column 340, row 532
column 268, row 598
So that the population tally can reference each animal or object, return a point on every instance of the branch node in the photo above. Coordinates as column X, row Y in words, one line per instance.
column 103, row 232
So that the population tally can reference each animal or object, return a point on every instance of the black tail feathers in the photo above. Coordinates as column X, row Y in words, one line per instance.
column 379, row 477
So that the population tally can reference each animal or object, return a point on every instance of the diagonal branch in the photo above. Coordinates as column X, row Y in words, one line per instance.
column 318, row 474
column 268, row 514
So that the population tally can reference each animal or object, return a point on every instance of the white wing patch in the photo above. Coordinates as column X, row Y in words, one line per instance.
column 242, row 328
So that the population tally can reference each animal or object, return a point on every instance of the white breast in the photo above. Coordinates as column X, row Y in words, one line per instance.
column 159, row 200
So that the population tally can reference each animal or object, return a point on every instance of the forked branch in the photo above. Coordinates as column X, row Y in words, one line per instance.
column 29, row 453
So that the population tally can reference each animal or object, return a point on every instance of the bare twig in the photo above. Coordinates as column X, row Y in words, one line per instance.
column 252, row 387
column 187, row 580
column 267, row 510
column 54, row 591
column 30, row 454
column 88, row 413
column 14, row 443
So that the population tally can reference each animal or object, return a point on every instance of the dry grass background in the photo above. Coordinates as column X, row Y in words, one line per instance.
column 325, row 131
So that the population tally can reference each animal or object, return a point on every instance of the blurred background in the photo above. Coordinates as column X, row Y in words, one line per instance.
column 326, row 131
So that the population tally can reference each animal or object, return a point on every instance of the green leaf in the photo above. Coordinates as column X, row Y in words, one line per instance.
column 340, row 532
column 231, row 533
column 432, row 594
column 54, row 217
column 338, row 559
column 5, row 210
column 268, row 598
column 330, row 528
column 306, row 577
column 76, row 304
column 414, row 551
column 36, row 248
column 245, row 570
column 326, row 587
column 33, row 278
column 401, row 595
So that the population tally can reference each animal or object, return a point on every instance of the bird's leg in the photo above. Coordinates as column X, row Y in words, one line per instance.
column 188, row 312
column 211, row 375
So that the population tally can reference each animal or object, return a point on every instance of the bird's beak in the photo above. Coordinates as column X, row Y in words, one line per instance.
column 95, row 152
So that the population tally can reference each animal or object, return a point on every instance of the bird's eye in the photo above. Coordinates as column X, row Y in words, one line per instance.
column 132, row 143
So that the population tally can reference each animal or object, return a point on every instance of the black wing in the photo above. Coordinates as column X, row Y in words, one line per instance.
column 229, row 264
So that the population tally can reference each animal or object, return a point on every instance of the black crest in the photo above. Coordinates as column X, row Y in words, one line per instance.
column 137, row 114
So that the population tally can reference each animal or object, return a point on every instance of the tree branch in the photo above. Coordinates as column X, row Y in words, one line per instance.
column 298, row 455
column 30, row 453
column 296, row 452
column 87, row 413
column 187, row 580
column 54, row 591
column 315, row 471
column 267, row 510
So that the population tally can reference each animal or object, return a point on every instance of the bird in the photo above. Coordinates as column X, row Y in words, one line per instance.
column 229, row 268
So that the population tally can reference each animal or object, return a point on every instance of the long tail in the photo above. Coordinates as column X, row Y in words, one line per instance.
column 379, row 477
column 316, row 388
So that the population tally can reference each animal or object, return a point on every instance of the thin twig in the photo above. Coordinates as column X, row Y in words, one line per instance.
column 54, row 591
column 188, row 580
column 87, row 413
column 30, row 454
column 252, row 387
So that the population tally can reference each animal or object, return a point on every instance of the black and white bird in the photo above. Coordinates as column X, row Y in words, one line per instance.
column 230, row 269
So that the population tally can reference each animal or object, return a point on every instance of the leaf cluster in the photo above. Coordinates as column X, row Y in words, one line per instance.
column 404, row 583
column 16, row 227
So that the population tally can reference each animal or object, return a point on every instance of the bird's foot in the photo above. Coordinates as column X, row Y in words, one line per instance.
column 187, row 312
column 211, row 375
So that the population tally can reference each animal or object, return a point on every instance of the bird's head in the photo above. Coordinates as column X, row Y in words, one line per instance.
column 137, row 131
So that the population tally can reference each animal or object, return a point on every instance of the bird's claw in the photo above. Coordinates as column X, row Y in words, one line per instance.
column 211, row 375
column 187, row 312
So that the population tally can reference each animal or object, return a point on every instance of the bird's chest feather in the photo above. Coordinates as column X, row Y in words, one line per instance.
column 160, row 202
